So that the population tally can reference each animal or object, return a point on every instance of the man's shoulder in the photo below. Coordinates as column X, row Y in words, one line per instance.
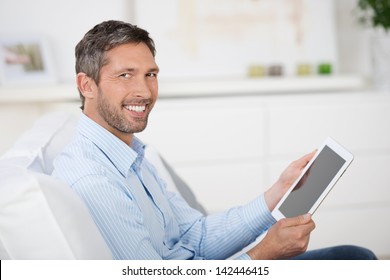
column 80, row 158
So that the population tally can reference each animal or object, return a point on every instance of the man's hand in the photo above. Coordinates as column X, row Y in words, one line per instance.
column 286, row 179
column 285, row 239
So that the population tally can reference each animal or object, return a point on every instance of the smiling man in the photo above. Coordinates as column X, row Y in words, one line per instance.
column 125, row 90
column 136, row 215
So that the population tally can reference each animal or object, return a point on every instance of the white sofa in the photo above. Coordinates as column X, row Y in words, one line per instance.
column 40, row 216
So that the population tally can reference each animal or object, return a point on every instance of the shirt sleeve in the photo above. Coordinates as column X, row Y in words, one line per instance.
column 222, row 235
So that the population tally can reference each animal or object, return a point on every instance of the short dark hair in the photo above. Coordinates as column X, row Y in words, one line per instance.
column 90, row 51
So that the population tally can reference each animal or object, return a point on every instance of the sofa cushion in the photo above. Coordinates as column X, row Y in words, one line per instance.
column 42, row 218
column 39, row 145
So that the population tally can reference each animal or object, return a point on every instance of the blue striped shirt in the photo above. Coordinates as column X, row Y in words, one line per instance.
column 137, row 216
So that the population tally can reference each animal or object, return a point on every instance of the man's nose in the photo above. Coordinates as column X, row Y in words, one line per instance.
column 141, row 88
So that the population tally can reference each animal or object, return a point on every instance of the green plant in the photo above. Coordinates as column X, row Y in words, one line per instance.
column 375, row 13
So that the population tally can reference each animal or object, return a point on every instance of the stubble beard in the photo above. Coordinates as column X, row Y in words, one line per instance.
column 116, row 118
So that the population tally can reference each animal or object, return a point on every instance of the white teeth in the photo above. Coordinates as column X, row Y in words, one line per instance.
column 137, row 109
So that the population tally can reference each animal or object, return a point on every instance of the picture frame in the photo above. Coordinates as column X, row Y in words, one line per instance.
column 25, row 61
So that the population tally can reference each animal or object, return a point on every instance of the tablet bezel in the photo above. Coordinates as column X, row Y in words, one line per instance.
column 337, row 148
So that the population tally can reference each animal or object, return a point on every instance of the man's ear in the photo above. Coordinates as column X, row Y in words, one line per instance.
column 86, row 85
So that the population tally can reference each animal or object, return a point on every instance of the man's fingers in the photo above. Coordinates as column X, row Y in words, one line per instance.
column 301, row 162
column 296, row 221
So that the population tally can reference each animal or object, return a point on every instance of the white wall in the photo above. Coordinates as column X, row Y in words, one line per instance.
column 63, row 23
column 353, row 40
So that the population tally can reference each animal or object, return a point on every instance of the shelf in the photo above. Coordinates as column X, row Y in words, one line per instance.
column 49, row 93
column 183, row 89
column 261, row 86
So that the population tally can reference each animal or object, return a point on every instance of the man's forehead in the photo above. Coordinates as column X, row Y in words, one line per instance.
column 137, row 53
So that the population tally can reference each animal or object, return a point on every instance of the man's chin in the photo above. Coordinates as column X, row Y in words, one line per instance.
column 136, row 129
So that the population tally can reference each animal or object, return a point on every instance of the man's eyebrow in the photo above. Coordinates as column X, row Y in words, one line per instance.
column 135, row 70
column 154, row 69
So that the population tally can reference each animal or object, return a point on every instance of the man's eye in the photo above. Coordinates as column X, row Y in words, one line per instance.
column 125, row 75
column 152, row 75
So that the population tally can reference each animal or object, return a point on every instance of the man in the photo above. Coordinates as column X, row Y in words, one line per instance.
column 137, row 216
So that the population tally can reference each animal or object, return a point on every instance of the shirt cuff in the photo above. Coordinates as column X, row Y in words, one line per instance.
column 243, row 257
column 257, row 215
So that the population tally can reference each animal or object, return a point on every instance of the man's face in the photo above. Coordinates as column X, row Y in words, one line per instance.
column 127, row 90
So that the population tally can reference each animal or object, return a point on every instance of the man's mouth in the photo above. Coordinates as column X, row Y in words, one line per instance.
column 136, row 108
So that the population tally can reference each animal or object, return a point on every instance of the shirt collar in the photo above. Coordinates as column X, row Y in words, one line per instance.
column 119, row 153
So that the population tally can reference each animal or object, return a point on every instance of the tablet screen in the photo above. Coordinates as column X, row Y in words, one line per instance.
column 312, row 184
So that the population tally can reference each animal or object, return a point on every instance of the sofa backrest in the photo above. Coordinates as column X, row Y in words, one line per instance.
column 40, row 216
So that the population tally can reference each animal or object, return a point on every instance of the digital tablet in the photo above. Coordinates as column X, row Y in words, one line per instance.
column 315, row 182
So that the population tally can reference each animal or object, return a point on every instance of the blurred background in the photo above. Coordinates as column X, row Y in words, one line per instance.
column 245, row 88
column 335, row 25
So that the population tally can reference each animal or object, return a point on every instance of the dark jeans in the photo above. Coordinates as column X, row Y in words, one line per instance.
column 346, row 252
